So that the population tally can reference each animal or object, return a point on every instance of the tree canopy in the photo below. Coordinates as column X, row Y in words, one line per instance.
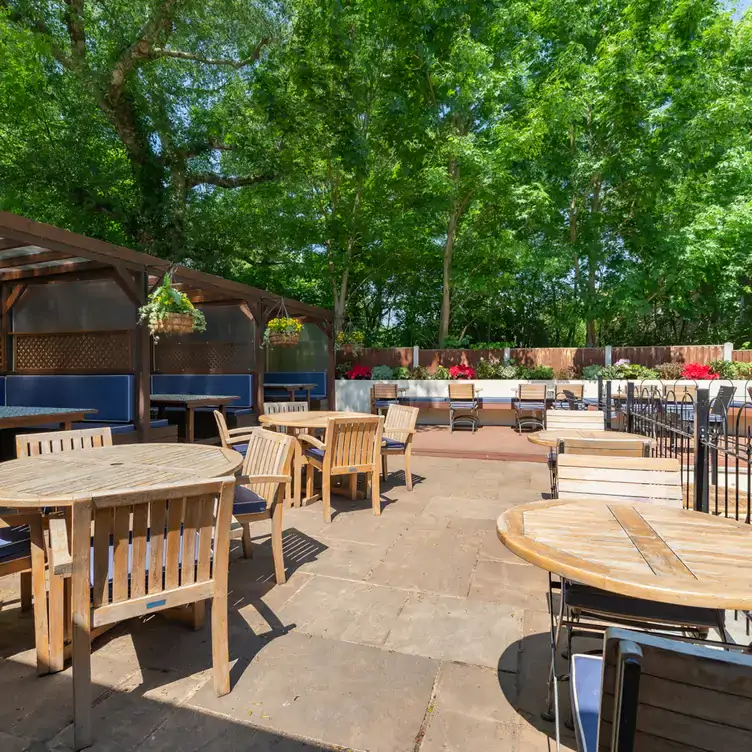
column 535, row 172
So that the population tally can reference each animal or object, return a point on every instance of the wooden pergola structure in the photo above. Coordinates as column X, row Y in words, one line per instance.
column 33, row 253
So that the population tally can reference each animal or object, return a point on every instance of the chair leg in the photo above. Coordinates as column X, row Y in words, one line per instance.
column 353, row 486
column 198, row 615
column 384, row 468
column 26, row 600
column 247, row 543
column 57, row 623
column 277, row 552
column 309, row 480
column 326, row 495
column 220, row 646
column 409, row 468
column 376, row 492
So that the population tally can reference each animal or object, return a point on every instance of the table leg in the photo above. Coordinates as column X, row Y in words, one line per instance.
column 189, row 425
column 39, row 587
column 308, row 397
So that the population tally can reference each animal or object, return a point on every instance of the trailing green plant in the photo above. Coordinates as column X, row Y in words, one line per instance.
column 164, row 301
column 379, row 373
column 354, row 339
column 402, row 373
column 669, row 371
column 591, row 373
column 441, row 374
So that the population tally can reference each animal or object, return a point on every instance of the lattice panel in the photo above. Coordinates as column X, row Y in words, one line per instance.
column 180, row 356
column 72, row 352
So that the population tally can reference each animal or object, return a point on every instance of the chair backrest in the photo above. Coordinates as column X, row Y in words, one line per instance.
column 224, row 432
column 272, row 408
column 384, row 391
column 680, row 392
column 532, row 392
column 653, row 479
column 606, row 447
column 150, row 548
column 663, row 694
column 588, row 420
column 719, row 405
column 353, row 444
column 400, row 416
column 461, row 391
column 52, row 442
column 269, row 453
column 569, row 391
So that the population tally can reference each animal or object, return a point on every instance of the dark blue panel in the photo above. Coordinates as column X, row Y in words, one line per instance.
column 299, row 377
column 2, row 391
column 15, row 543
column 393, row 443
column 247, row 502
column 239, row 384
column 118, row 427
column 110, row 396
column 585, row 688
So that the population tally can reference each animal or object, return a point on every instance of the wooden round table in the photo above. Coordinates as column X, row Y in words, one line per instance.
column 308, row 419
column 552, row 438
column 642, row 550
column 27, row 482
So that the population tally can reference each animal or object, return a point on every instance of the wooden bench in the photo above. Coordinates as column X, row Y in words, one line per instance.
column 586, row 420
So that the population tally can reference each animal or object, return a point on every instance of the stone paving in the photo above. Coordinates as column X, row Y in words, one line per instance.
column 416, row 631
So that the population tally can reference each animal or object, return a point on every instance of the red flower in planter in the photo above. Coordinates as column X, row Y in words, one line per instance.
column 359, row 373
column 461, row 372
column 698, row 372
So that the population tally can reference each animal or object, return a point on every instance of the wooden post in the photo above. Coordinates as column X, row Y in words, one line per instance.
column 259, row 364
column 5, row 343
column 331, row 382
column 142, row 367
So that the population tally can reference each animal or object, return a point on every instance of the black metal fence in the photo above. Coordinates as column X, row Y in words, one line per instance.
column 711, row 438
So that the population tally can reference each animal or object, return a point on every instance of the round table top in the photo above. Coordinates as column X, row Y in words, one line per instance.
column 307, row 418
column 27, row 482
column 642, row 550
column 552, row 438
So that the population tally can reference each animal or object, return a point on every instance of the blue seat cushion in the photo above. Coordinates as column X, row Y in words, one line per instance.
column 240, row 410
column 118, row 427
column 111, row 396
column 392, row 443
column 316, row 453
column 462, row 405
column 385, row 402
column 585, row 680
column 247, row 502
column 242, row 448
column 530, row 405
column 15, row 543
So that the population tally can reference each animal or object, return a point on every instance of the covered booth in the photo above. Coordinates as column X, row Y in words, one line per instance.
column 69, row 336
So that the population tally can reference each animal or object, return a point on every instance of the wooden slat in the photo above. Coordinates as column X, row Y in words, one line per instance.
column 120, row 535
column 206, row 533
column 190, row 530
column 103, row 520
column 157, row 517
column 138, row 550
column 172, row 558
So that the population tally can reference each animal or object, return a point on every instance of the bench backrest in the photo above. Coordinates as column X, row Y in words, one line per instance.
column 461, row 391
column 659, row 693
column 652, row 479
column 52, row 442
column 272, row 408
column 606, row 447
column 239, row 385
column 110, row 395
column 384, row 391
column 532, row 392
column 592, row 420
column 299, row 377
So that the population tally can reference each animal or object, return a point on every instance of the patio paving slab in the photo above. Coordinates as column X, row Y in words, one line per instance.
column 520, row 586
column 336, row 693
column 363, row 526
column 343, row 610
column 457, row 629
column 432, row 559
column 456, row 732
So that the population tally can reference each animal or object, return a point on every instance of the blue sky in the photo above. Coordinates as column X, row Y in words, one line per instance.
column 740, row 5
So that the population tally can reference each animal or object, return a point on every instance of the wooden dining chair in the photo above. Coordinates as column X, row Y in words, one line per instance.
column 351, row 446
column 529, row 406
column 463, row 405
column 383, row 396
column 646, row 692
column 231, row 438
column 260, row 493
column 51, row 442
column 148, row 550
column 397, row 438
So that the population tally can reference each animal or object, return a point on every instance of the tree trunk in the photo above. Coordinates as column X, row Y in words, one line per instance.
column 445, row 293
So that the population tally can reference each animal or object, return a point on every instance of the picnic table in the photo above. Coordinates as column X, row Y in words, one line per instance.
column 190, row 402
column 28, row 484
column 23, row 417
column 291, row 388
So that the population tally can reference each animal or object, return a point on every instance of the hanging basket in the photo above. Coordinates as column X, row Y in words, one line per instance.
column 284, row 339
column 174, row 323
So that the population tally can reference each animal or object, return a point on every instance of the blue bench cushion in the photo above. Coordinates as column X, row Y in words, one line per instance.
column 242, row 448
column 385, row 402
column 15, row 543
column 316, row 453
column 299, row 377
column 238, row 384
column 585, row 679
column 247, row 502
column 228, row 410
column 392, row 443
column 110, row 396
column 2, row 391
column 529, row 405
column 462, row 405
column 118, row 427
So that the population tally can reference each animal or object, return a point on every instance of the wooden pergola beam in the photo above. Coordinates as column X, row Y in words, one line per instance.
column 33, row 258
column 52, row 273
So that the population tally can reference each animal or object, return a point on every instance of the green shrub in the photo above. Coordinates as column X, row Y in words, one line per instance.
column 491, row 345
column 591, row 373
column 540, row 372
column 379, row 373
column 487, row 369
column 629, row 371
column 342, row 369
column 669, row 371
column 402, row 373
column 731, row 369
column 743, row 370
column 508, row 371
column 568, row 373
column 442, row 373
column 419, row 373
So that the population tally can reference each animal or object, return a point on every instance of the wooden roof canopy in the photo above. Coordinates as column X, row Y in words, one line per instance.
column 34, row 252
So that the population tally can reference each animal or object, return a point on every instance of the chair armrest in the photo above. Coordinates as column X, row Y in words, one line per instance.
column 246, row 480
column 234, row 431
column 61, row 562
column 308, row 439
column 405, row 431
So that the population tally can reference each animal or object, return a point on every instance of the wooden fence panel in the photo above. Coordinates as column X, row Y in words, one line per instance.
column 653, row 356
column 743, row 356
column 394, row 357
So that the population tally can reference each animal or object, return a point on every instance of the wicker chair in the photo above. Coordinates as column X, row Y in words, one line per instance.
column 397, row 438
column 463, row 405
